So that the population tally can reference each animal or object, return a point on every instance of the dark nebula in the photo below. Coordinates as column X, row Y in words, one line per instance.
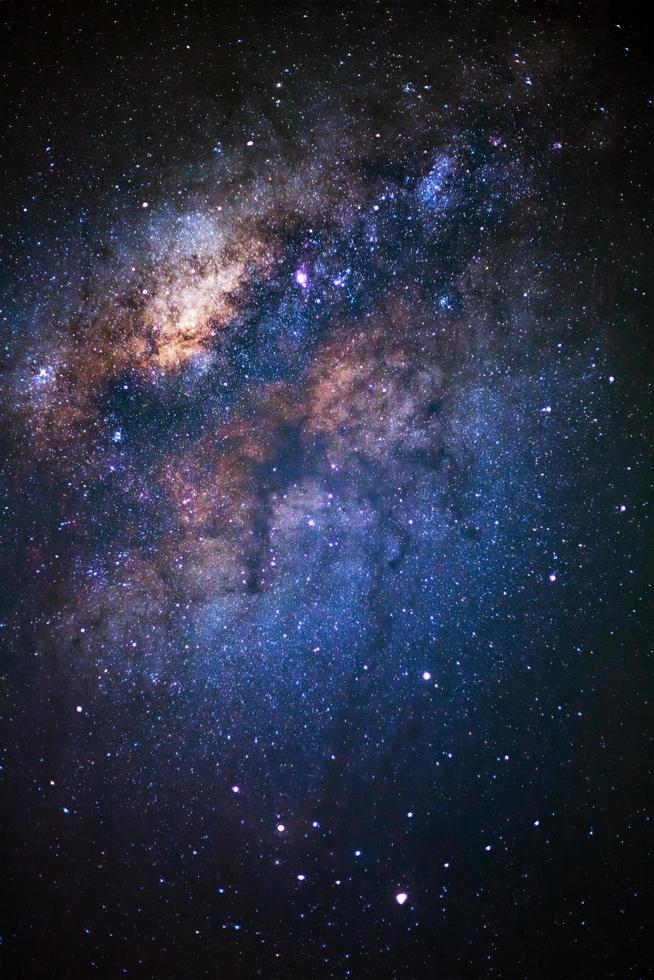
column 326, row 490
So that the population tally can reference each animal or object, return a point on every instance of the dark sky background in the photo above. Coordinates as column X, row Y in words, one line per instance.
column 326, row 441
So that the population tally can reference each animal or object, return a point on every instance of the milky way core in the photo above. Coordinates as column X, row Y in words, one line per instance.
column 326, row 488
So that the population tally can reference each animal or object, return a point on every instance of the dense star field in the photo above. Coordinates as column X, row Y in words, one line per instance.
column 326, row 490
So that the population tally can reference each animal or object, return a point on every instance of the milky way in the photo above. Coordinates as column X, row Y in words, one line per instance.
column 326, row 491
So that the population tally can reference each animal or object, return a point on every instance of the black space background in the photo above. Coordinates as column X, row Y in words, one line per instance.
column 114, row 84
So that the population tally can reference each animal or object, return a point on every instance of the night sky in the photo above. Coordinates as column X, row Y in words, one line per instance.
column 326, row 490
